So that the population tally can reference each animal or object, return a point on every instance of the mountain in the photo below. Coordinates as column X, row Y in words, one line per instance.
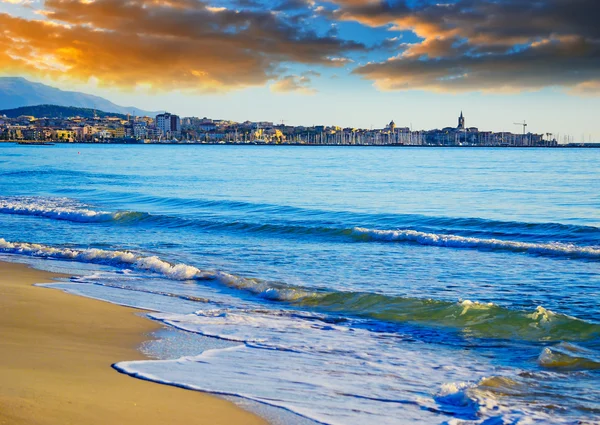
column 16, row 92
column 55, row 111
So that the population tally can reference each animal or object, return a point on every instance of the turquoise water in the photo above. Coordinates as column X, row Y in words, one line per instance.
column 355, row 285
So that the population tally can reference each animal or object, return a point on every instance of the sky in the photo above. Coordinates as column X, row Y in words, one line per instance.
column 352, row 63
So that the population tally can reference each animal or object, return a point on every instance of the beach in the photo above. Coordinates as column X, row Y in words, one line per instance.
column 307, row 286
column 56, row 352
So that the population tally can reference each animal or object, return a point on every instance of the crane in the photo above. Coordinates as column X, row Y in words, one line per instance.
column 524, row 124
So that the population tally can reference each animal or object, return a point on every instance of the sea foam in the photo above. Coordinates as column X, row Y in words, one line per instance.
column 339, row 374
column 454, row 241
column 106, row 257
column 126, row 259
column 60, row 209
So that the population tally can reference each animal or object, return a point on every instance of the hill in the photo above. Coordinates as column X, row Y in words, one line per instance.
column 56, row 111
column 16, row 92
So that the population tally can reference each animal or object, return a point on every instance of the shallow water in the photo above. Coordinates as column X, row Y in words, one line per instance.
column 380, row 285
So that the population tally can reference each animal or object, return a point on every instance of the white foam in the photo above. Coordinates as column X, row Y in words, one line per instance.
column 336, row 374
column 474, row 305
column 154, row 264
column 55, row 208
column 277, row 329
column 329, row 373
column 432, row 239
column 262, row 288
column 101, row 256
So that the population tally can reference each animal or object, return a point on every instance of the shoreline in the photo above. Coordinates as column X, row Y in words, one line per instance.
column 56, row 357
column 56, row 142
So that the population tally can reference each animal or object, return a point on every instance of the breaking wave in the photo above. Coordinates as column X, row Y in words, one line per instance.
column 101, row 256
column 565, row 356
column 127, row 259
column 70, row 210
column 62, row 209
column 471, row 318
column 454, row 241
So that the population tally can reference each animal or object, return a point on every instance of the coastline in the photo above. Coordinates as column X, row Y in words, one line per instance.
column 391, row 145
column 56, row 142
column 56, row 352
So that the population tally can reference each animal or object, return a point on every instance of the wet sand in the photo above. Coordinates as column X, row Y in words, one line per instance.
column 56, row 352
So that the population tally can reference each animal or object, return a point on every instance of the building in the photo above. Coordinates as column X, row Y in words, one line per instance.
column 461, row 122
column 140, row 130
column 65, row 135
column 168, row 125
column 84, row 132
column 207, row 126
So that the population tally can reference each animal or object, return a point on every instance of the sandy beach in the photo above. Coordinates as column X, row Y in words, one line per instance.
column 56, row 352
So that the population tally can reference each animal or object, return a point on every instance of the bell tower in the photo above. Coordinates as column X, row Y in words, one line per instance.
column 461, row 121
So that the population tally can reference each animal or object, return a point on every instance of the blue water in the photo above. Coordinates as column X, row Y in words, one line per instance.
column 352, row 285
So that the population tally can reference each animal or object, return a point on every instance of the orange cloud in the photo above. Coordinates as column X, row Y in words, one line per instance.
column 169, row 44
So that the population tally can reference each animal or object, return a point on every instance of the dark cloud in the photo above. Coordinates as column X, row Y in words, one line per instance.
column 166, row 44
column 484, row 44
column 571, row 63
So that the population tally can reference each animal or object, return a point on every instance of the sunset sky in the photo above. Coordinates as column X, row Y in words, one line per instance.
column 354, row 63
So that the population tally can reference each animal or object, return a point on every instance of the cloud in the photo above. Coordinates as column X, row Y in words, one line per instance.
column 311, row 73
column 294, row 83
column 488, row 45
column 572, row 64
column 162, row 44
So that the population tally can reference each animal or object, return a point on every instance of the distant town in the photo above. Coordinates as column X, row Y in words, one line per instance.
column 89, row 126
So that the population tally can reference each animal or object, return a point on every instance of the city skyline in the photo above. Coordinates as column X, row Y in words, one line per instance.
column 52, row 123
column 348, row 63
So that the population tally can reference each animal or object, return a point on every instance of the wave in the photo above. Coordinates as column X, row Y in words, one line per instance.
column 63, row 209
column 253, row 215
column 454, row 241
column 473, row 319
column 105, row 257
column 67, row 209
column 379, row 219
column 565, row 356
column 56, row 173
column 501, row 399
column 127, row 259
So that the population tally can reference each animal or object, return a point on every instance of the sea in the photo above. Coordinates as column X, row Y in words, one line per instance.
column 334, row 285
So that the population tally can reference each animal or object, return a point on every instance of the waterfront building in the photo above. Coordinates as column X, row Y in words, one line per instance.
column 65, row 135
column 140, row 130
column 84, row 132
column 168, row 124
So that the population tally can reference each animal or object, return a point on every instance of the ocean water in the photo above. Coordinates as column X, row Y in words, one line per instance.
column 340, row 285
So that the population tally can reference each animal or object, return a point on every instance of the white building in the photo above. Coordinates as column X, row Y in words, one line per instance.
column 169, row 125
column 140, row 130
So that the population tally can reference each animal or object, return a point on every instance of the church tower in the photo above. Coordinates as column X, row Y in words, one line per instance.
column 461, row 121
